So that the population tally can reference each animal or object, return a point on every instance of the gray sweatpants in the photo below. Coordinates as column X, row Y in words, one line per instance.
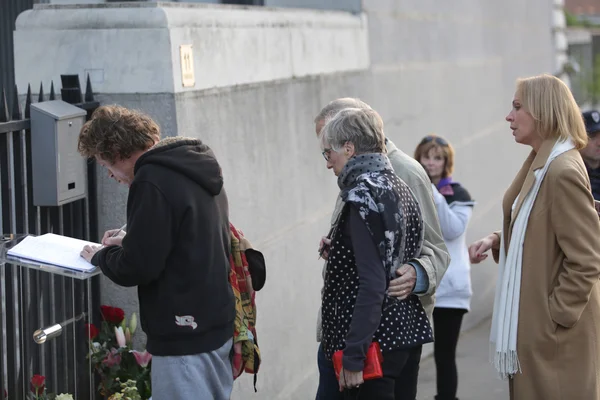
column 199, row 376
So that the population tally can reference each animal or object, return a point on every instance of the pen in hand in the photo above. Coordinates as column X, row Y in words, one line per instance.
column 116, row 234
column 119, row 231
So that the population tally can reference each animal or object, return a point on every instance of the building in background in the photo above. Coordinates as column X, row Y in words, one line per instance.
column 587, row 11
column 583, row 37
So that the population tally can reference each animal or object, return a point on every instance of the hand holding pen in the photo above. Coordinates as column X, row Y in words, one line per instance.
column 114, row 237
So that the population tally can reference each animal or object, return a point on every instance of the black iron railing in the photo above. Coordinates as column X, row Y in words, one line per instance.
column 31, row 299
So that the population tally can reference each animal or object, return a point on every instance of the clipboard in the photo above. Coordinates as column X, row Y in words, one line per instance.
column 53, row 253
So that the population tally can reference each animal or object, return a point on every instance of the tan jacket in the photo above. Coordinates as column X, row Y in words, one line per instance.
column 559, row 308
column 434, row 256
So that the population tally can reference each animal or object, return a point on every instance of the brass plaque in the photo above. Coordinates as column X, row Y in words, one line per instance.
column 188, row 78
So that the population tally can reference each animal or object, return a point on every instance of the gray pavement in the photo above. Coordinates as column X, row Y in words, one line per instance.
column 477, row 379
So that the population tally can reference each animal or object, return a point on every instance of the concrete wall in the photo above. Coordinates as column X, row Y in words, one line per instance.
column 449, row 68
column 426, row 66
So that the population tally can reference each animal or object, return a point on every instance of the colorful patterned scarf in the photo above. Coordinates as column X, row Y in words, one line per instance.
column 369, row 183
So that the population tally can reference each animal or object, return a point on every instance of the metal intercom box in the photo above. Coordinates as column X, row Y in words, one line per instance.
column 59, row 171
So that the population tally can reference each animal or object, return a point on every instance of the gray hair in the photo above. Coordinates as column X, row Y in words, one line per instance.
column 360, row 126
column 337, row 105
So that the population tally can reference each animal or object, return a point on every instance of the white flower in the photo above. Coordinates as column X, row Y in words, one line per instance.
column 95, row 347
column 133, row 322
column 120, row 336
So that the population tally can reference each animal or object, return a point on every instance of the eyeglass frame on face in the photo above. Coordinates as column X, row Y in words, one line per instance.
column 326, row 153
column 438, row 140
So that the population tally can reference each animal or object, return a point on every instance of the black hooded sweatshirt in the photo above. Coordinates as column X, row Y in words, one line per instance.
column 176, row 249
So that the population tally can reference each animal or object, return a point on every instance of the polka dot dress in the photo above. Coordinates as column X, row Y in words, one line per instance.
column 339, row 296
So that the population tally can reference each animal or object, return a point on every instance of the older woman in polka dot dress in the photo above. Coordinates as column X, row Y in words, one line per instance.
column 379, row 229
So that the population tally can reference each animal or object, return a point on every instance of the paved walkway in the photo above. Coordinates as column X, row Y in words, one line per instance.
column 476, row 376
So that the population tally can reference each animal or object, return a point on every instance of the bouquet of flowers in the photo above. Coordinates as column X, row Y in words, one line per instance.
column 114, row 359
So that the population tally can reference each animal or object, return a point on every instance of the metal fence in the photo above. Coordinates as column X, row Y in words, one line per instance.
column 31, row 299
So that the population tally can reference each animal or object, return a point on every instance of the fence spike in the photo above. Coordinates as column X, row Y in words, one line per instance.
column 4, row 115
column 41, row 95
column 89, row 94
column 52, row 94
column 28, row 102
column 16, row 109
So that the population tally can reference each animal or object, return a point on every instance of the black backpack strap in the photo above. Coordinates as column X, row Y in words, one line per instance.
column 256, row 365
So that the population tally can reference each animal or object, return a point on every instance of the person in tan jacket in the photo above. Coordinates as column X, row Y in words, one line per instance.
column 546, row 321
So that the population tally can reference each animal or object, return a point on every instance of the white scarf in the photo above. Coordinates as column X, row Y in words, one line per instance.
column 503, row 336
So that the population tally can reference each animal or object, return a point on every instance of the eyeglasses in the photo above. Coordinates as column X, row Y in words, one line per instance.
column 326, row 154
column 436, row 139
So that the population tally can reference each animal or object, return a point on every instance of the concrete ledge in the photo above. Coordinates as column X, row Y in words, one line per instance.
column 134, row 47
column 183, row 15
column 89, row 17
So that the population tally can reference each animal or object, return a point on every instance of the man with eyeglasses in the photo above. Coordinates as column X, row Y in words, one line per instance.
column 419, row 277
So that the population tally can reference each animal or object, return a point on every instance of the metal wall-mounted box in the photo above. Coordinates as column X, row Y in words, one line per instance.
column 59, row 171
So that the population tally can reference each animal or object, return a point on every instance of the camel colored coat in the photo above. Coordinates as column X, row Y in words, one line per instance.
column 559, row 311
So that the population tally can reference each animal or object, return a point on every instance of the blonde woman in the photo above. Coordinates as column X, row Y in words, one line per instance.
column 546, row 322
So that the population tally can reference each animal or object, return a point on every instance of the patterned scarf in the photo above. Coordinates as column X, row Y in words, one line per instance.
column 367, row 182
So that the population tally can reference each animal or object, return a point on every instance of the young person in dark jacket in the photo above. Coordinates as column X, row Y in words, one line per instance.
column 176, row 250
